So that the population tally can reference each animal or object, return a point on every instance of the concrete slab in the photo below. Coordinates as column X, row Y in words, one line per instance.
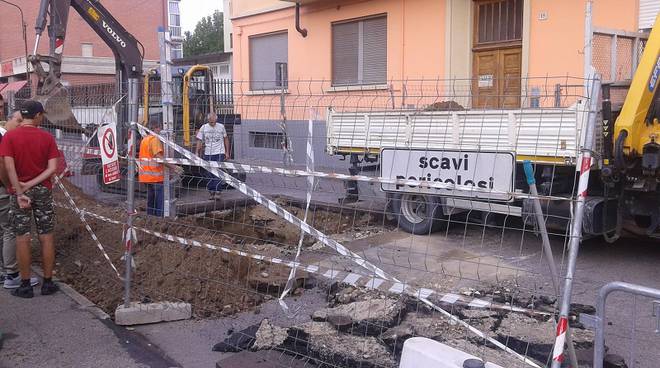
column 140, row 314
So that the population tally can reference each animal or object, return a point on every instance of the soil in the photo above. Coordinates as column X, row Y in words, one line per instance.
column 214, row 282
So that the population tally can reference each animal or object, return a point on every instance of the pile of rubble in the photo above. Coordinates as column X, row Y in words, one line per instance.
column 361, row 328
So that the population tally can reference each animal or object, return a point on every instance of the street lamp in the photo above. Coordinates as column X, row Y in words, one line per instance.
column 24, row 26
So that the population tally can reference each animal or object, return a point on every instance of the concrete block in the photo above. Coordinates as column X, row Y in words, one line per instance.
column 139, row 313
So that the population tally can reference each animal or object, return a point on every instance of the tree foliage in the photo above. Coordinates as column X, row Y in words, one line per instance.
column 206, row 38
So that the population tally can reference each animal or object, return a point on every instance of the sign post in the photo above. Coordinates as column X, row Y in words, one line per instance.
column 107, row 135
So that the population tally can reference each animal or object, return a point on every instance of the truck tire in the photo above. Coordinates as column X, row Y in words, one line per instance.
column 418, row 214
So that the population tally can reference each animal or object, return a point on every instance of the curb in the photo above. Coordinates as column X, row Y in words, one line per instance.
column 82, row 301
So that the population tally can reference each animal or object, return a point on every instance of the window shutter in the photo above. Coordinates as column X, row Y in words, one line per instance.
column 345, row 47
column 374, row 51
column 648, row 10
column 265, row 52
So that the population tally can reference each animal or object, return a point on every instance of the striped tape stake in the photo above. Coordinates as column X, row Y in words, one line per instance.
column 310, row 187
column 560, row 341
column 81, row 215
column 585, row 169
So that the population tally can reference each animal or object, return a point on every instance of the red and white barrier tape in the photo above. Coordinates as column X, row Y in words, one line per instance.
column 87, row 227
column 308, row 200
column 258, row 169
column 331, row 274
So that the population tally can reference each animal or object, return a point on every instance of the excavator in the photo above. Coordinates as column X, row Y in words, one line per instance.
column 128, row 52
column 129, row 55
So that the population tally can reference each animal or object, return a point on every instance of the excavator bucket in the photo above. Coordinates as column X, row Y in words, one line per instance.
column 59, row 112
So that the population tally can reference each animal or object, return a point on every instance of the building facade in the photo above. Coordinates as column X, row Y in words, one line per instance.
column 358, row 43
column 86, row 57
column 410, row 54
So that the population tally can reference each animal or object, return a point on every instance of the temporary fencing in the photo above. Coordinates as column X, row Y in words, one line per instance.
column 634, row 343
column 372, row 214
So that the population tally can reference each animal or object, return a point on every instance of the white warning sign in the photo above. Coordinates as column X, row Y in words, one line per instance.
column 107, row 135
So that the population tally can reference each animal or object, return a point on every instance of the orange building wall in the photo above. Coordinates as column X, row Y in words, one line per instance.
column 557, row 43
column 415, row 37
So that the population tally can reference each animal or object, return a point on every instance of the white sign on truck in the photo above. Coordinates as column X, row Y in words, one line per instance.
column 493, row 173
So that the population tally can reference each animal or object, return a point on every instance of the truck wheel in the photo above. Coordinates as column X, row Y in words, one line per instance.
column 417, row 213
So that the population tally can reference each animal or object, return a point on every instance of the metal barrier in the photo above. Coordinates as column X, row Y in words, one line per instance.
column 366, row 215
column 651, row 336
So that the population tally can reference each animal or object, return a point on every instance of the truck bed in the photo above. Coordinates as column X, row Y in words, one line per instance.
column 544, row 135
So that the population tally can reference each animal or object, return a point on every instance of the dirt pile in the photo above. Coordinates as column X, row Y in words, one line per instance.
column 214, row 282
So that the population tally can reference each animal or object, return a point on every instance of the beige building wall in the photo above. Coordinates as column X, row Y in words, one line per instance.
column 242, row 8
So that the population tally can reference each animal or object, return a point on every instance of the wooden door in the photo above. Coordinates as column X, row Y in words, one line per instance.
column 485, row 82
column 497, row 53
column 496, row 78
column 510, row 67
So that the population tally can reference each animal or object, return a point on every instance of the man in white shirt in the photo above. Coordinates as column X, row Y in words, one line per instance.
column 213, row 137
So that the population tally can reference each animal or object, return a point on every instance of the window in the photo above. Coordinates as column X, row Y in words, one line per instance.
column 174, row 7
column 266, row 54
column 87, row 50
column 223, row 69
column 359, row 52
column 175, row 31
column 177, row 52
column 175, row 20
column 499, row 21
column 268, row 140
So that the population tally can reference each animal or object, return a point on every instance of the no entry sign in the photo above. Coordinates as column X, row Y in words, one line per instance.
column 107, row 140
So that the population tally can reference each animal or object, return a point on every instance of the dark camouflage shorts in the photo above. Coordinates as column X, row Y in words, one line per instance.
column 42, row 208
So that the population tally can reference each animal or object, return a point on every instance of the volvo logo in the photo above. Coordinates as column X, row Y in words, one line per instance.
column 114, row 34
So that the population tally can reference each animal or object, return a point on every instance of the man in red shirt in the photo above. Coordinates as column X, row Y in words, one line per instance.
column 30, row 155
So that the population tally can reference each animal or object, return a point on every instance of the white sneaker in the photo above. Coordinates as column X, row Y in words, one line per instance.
column 15, row 282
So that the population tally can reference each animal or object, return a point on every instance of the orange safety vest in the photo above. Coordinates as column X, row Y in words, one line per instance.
column 150, row 172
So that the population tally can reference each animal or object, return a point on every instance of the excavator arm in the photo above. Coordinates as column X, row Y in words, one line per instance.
column 128, row 57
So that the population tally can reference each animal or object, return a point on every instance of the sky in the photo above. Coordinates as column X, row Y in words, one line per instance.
column 194, row 10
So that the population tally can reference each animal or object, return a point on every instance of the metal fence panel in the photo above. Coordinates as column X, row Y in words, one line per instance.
column 362, row 269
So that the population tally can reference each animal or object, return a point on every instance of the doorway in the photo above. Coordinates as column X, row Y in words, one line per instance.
column 497, row 53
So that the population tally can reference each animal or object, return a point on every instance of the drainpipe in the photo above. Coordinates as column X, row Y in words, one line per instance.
column 302, row 31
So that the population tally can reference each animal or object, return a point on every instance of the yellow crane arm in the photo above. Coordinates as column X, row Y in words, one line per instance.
column 633, row 121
